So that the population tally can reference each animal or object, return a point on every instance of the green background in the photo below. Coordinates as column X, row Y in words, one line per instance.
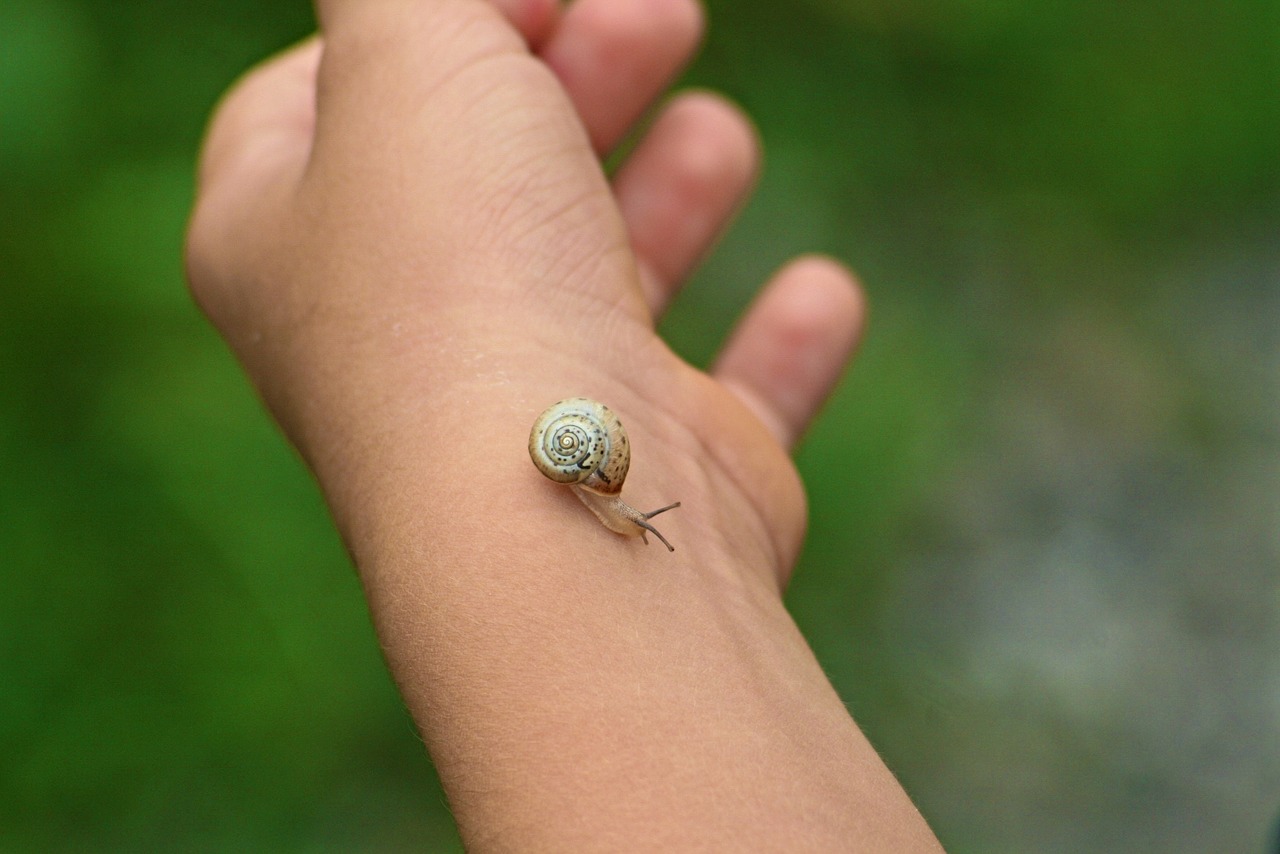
column 1042, row 569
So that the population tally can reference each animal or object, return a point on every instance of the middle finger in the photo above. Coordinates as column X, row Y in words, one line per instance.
column 614, row 57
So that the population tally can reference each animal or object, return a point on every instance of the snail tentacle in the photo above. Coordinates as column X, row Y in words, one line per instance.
column 643, row 523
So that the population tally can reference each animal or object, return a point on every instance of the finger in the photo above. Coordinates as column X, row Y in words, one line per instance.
column 254, row 153
column 395, row 72
column 263, row 127
column 387, row 54
column 533, row 19
column 681, row 186
column 791, row 347
column 614, row 57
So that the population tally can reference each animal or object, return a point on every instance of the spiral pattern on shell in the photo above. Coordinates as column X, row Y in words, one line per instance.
column 581, row 441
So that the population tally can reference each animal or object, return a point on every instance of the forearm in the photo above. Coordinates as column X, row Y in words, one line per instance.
column 577, row 690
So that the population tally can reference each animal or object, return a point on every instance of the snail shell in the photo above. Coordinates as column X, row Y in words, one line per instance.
column 580, row 442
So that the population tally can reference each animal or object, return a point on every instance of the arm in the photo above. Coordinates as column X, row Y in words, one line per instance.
column 405, row 234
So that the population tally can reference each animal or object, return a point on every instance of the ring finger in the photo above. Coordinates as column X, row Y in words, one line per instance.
column 682, row 185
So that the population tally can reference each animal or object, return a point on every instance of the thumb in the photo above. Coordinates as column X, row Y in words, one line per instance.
column 263, row 126
column 254, row 154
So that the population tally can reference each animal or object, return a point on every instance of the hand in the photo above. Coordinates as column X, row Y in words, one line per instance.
column 437, row 211
column 404, row 232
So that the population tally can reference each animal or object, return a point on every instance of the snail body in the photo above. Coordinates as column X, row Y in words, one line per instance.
column 581, row 443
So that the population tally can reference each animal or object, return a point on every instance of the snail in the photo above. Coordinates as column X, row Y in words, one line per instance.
column 581, row 443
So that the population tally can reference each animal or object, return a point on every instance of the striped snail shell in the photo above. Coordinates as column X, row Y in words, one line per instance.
column 581, row 443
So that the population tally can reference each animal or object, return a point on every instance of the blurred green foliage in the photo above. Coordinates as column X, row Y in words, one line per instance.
column 1051, row 203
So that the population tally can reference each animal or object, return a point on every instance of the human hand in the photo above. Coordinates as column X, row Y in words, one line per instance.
column 405, row 233
column 409, row 220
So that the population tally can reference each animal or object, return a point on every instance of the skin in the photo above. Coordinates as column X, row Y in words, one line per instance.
column 404, row 232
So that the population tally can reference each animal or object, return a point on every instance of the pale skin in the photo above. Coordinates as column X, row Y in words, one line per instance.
column 404, row 232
